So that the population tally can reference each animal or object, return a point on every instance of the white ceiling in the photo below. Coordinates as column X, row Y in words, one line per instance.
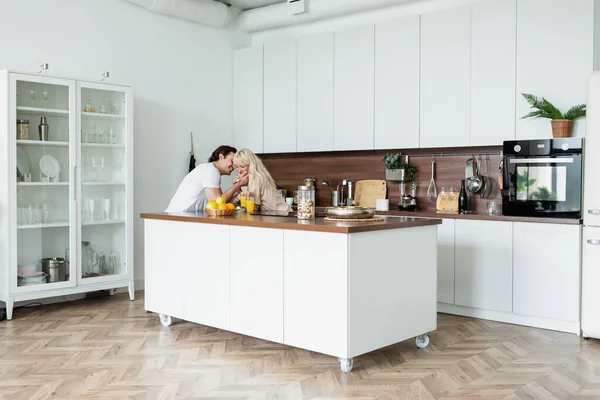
column 248, row 4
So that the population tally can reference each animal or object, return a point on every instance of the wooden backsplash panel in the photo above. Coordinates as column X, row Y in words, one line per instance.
column 290, row 169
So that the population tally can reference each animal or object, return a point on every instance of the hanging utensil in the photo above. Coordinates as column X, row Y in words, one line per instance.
column 431, row 190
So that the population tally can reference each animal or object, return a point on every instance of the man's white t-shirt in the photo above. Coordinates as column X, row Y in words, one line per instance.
column 190, row 194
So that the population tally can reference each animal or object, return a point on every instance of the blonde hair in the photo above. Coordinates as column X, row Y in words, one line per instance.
column 257, row 172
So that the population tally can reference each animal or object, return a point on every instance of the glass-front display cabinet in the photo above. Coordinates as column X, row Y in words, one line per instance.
column 66, row 196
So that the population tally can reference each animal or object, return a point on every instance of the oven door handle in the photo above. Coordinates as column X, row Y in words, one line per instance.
column 595, row 242
column 594, row 211
column 547, row 160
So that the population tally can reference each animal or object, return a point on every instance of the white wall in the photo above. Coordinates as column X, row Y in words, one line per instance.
column 181, row 74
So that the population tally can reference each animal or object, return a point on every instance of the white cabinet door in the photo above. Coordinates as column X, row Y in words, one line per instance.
column 483, row 264
column 445, row 78
column 248, row 98
column 493, row 69
column 206, row 280
column 591, row 197
column 590, row 295
column 256, row 282
column 445, row 261
column 543, row 26
column 354, row 87
column 546, row 270
column 397, row 84
column 162, row 287
column 316, row 298
column 315, row 93
column 280, row 97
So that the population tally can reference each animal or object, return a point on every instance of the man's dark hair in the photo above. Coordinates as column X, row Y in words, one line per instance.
column 224, row 150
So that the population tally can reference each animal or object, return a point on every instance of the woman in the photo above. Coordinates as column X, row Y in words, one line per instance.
column 260, row 183
column 204, row 183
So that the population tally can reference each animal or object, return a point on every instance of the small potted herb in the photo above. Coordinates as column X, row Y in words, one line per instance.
column 396, row 170
column 562, row 124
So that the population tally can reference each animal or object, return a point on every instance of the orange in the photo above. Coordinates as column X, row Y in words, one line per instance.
column 230, row 206
column 222, row 207
column 211, row 205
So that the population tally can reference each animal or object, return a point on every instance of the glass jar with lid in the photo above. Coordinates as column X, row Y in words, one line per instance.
column 306, row 202
column 22, row 129
column 309, row 181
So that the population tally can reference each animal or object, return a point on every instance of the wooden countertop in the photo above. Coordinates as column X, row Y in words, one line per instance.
column 241, row 218
column 481, row 217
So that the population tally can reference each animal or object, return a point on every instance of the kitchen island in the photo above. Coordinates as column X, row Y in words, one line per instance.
column 342, row 289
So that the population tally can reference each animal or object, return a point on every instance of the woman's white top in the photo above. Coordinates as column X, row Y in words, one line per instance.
column 190, row 194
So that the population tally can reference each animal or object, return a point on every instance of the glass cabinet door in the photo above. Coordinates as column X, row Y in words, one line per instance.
column 103, row 122
column 42, row 114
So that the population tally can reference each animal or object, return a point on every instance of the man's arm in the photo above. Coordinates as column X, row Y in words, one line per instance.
column 213, row 193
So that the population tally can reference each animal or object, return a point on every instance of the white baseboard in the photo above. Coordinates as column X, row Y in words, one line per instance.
column 139, row 285
column 562, row 326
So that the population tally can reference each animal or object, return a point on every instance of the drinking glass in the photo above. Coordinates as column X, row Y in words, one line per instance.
column 106, row 210
column 444, row 197
column 250, row 204
column 452, row 197
column 31, row 95
column 492, row 207
column 45, row 96
column 243, row 200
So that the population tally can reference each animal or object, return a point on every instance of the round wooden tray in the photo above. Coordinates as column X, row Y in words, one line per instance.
column 374, row 219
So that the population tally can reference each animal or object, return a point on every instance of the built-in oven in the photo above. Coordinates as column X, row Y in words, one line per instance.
column 542, row 178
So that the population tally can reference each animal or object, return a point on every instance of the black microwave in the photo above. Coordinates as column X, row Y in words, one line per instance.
column 542, row 178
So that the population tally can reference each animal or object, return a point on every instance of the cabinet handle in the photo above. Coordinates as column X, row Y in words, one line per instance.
column 595, row 242
column 594, row 211
column 75, row 183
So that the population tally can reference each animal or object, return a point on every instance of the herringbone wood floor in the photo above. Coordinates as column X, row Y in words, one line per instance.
column 111, row 348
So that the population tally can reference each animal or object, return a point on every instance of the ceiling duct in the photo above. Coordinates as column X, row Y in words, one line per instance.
column 278, row 15
column 217, row 14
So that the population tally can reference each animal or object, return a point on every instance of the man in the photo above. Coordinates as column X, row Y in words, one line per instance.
column 204, row 182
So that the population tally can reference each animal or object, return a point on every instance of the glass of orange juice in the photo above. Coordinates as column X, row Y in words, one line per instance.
column 250, row 204
column 243, row 200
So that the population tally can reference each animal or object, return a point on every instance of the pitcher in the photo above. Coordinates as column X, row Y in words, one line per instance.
column 89, row 259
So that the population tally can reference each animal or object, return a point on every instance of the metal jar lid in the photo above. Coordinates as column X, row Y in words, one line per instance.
column 22, row 121
column 306, row 187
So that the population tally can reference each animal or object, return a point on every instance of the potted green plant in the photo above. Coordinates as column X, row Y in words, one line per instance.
column 562, row 124
column 396, row 170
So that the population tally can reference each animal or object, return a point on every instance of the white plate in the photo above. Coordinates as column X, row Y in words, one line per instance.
column 23, row 161
column 49, row 166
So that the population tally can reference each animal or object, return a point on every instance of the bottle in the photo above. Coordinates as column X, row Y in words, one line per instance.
column 463, row 200
column 43, row 129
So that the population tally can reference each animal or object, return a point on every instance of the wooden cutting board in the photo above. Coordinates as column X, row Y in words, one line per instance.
column 368, row 191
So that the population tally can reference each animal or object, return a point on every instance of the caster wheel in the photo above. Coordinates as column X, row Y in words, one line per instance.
column 165, row 320
column 586, row 337
column 346, row 364
column 422, row 341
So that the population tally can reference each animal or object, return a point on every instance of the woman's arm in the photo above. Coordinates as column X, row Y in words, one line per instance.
column 229, row 194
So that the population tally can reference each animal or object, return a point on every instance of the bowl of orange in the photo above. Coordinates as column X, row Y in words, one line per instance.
column 218, row 208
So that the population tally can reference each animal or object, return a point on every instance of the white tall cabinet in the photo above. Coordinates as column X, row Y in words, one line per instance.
column 315, row 93
column 397, row 84
column 248, row 91
column 280, row 97
column 445, row 78
column 66, row 196
column 354, row 89
column 493, row 70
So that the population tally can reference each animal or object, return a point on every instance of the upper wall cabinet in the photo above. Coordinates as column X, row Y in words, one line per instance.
column 248, row 98
column 445, row 78
column 315, row 93
column 493, row 68
column 397, row 84
column 280, row 97
column 354, row 87
column 555, row 41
